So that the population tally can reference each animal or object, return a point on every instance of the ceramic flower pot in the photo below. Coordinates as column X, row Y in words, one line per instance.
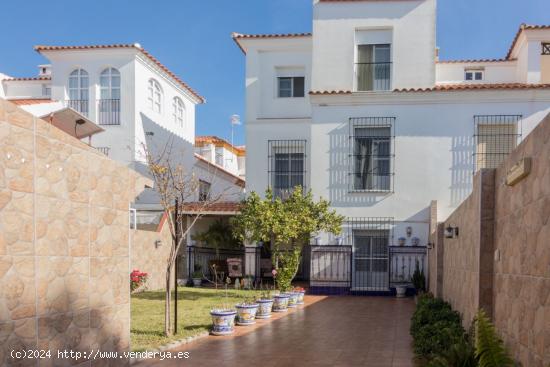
column 301, row 295
column 264, row 309
column 223, row 322
column 246, row 314
column 280, row 302
column 293, row 299
column 400, row 291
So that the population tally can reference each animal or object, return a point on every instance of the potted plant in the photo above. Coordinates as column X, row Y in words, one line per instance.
column 280, row 302
column 419, row 280
column 301, row 292
column 401, row 241
column 197, row 276
column 223, row 317
column 265, row 302
column 400, row 287
column 246, row 311
column 415, row 241
column 292, row 299
column 137, row 281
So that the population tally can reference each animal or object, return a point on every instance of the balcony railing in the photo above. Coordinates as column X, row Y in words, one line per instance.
column 403, row 262
column 80, row 105
column 373, row 76
column 109, row 112
column 104, row 150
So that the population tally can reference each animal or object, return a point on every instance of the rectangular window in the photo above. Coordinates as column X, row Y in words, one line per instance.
column 219, row 156
column 286, row 165
column 495, row 137
column 545, row 48
column 473, row 75
column 373, row 67
column 46, row 90
column 204, row 190
column 371, row 153
column 291, row 86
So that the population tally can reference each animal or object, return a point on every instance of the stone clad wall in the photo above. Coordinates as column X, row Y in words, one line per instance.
column 501, row 258
column 64, row 242
column 150, row 259
column 522, row 242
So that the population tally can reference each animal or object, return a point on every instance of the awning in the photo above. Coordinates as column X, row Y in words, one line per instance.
column 72, row 123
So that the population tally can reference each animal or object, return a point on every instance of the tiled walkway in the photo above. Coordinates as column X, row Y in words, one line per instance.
column 334, row 331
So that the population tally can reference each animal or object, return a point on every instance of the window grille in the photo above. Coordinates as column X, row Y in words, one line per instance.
column 286, row 165
column 372, row 153
column 370, row 238
column 204, row 190
column 546, row 48
column 495, row 136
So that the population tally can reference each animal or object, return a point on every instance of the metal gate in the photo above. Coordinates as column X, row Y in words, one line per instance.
column 370, row 238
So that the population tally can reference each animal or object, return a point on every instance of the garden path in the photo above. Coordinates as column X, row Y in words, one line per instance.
column 330, row 331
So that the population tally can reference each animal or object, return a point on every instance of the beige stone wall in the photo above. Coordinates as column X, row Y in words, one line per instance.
column 522, row 241
column 148, row 258
column 501, row 258
column 64, row 242
column 461, row 258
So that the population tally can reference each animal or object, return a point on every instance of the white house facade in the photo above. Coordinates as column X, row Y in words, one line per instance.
column 363, row 113
column 123, row 89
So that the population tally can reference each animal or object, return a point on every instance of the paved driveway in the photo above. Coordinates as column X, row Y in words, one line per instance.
column 333, row 331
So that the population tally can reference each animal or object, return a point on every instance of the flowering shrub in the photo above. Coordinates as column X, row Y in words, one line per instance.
column 137, row 278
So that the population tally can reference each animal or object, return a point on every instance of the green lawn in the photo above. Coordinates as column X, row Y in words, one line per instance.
column 194, row 306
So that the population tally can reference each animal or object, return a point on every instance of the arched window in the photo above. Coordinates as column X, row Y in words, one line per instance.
column 79, row 91
column 109, row 103
column 155, row 96
column 178, row 112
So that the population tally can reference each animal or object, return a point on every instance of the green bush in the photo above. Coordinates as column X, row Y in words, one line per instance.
column 440, row 340
column 435, row 327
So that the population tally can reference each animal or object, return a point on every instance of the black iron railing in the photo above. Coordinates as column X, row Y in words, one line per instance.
column 80, row 105
column 373, row 76
column 403, row 262
column 205, row 257
column 287, row 166
column 109, row 111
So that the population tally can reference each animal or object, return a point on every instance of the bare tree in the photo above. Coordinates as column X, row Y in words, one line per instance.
column 174, row 183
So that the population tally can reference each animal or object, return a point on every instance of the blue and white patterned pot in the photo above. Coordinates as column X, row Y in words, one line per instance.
column 293, row 299
column 301, row 297
column 264, row 311
column 280, row 302
column 246, row 314
column 223, row 322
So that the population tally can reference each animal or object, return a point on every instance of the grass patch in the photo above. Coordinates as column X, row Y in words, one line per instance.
column 194, row 305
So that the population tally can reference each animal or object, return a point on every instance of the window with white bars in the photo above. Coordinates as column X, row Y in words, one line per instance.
column 372, row 154
column 495, row 137
column 286, row 165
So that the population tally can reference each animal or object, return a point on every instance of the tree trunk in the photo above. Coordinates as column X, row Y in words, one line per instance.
column 168, row 298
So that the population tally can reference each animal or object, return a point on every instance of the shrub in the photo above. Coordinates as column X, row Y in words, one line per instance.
column 137, row 278
column 435, row 327
column 489, row 349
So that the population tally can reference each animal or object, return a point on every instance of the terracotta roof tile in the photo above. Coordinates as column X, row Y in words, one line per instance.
column 450, row 87
column 221, row 206
column 211, row 139
column 324, row 92
column 237, row 36
column 30, row 101
column 473, row 61
column 40, row 48
column 38, row 78
column 523, row 27
column 473, row 86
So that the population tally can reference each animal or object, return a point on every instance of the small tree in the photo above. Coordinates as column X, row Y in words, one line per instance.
column 287, row 224
column 175, row 185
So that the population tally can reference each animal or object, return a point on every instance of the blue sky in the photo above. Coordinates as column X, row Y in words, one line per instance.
column 192, row 37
